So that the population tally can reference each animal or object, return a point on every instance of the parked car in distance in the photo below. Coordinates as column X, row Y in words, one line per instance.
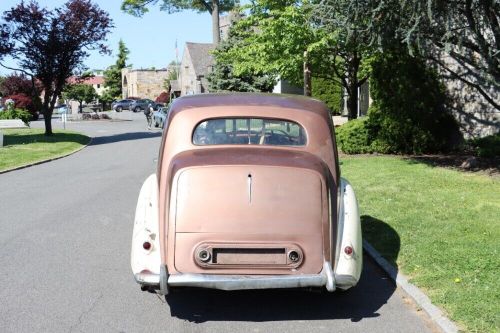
column 247, row 195
column 121, row 105
column 159, row 116
column 143, row 104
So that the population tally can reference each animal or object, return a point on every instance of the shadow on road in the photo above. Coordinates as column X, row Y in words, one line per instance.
column 362, row 301
column 101, row 140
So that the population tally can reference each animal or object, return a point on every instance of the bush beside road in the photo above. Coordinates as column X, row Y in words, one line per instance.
column 446, row 231
column 26, row 146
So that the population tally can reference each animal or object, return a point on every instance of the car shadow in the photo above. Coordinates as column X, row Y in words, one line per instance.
column 382, row 237
column 362, row 301
column 101, row 140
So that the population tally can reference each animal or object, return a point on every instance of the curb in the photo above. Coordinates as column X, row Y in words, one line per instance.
column 435, row 314
column 49, row 160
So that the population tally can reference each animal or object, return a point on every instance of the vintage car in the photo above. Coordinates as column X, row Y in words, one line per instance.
column 247, row 195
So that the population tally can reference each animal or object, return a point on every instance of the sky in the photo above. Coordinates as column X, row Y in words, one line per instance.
column 150, row 39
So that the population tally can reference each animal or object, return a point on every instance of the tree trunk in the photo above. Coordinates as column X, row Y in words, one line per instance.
column 47, row 119
column 215, row 22
column 47, row 115
column 352, row 102
column 352, row 76
column 307, row 76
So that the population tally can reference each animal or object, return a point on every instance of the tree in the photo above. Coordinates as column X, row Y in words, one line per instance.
column 113, row 74
column 349, row 40
column 223, row 78
column 81, row 93
column 331, row 40
column 213, row 7
column 18, row 84
column 409, row 114
column 49, row 45
column 2, row 80
column 466, row 31
column 330, row 92
column 25, row 92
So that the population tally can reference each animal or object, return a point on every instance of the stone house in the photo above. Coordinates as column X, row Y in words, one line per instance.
column 143, row 83
column 196, row 63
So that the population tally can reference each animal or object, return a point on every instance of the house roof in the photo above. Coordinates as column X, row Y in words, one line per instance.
column 90, row 80
column 200, row 57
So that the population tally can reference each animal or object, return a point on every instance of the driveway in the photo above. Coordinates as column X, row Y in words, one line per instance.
column 65, row 232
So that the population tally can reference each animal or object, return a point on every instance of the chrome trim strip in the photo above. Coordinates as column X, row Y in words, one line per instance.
column 241, row 282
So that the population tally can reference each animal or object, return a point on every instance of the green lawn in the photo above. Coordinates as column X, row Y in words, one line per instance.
column 26, row 146
column 440, row 227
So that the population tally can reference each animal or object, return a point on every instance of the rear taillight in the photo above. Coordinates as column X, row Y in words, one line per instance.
column 146, row 246
column 348, row 250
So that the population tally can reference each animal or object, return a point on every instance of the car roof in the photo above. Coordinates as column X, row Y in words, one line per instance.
column 254, row 99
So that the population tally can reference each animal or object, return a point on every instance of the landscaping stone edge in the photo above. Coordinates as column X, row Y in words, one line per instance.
column 422, row 300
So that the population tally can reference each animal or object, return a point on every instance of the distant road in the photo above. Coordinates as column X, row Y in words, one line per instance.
column 65, row 232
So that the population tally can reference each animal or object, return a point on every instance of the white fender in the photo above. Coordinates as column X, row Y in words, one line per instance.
column 146, row 227
column 347, row 268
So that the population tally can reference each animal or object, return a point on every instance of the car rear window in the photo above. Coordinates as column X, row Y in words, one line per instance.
column 249, row 131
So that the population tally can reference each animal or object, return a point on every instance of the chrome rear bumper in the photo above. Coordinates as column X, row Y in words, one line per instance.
column 147, row 279
column 240, row 282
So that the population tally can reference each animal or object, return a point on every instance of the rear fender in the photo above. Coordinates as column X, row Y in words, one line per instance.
column 347, row 268
column 146, row 227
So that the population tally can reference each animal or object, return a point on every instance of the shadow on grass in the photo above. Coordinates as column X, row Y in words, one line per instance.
column 28, row 137
column 101, row 140
column 382, row 237
column 457, row 162
column 363, row 301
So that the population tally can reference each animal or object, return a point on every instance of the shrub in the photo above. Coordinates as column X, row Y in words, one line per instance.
column 329, row 92
column 14, row 113
column 489, row 146
column 22, row 101
column 408, row 114
column 352, row 137
column 163, row 98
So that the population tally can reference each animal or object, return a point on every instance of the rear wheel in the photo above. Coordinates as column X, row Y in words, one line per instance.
column 156, row 123
column 137, row 109
column 119, row 109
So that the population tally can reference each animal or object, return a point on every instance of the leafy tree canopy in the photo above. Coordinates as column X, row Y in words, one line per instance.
column 113, row 74
column 213, row 7
column 50, row 45
column 335, row 35
column 465, row 31
column 140, row 7
column 223, row 78
column 18, row 84
column 80, row 92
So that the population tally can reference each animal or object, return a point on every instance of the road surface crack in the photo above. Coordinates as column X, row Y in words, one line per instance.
column 84, row 313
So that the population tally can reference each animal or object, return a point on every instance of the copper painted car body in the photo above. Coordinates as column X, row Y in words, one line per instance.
column 247, row 195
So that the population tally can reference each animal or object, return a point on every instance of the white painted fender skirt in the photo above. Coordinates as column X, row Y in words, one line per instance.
column 347, row 267
column 146, row 263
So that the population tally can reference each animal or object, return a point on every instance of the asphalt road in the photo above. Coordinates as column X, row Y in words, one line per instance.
column 65, row 232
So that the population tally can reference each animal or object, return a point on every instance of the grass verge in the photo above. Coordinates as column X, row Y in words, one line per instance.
column 440, row 227
column 26, row 146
